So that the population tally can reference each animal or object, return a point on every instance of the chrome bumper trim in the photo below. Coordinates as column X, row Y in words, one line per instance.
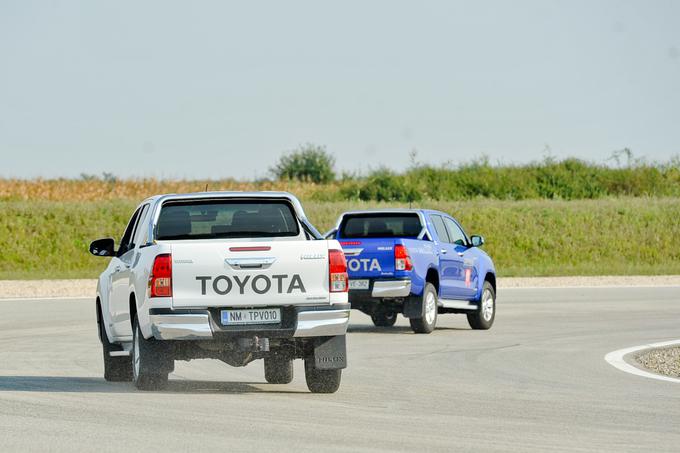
column 322, row 323
column 181, row 327
column 391, row 288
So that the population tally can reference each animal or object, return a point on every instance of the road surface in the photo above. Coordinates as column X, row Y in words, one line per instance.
column 536, row 381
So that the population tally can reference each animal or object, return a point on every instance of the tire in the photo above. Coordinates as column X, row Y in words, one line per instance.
column 428, row 321
column 151, row 362
column 384, row 318
column 116, row 369
column 321, row 381
column 484, row 316
column 278, row 369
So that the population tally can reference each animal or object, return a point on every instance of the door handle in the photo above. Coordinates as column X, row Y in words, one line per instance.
column 443, row 251
column 460, row 253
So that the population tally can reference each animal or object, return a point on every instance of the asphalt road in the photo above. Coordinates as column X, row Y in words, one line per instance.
column 536, row 381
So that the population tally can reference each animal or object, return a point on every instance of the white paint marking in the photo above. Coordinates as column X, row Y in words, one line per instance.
column 615, row 359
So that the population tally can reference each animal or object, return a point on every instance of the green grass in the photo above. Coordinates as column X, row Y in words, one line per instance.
column 617, row 236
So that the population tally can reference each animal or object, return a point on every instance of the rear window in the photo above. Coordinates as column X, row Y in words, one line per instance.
column 208, row 219
column 380, row 226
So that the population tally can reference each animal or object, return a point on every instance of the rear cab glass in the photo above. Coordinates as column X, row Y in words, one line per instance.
column 220, row 219
column 381, row 225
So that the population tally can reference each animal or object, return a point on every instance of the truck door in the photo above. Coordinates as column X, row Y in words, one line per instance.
column 450, row 262
column 119, row 299
column 466, row 281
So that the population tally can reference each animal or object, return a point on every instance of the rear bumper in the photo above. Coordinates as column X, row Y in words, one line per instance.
column 314, row 321
column 326, row 323
column 181, row 326
column 381, row 289
column 391, row 288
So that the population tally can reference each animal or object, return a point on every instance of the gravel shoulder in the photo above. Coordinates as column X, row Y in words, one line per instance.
column 19, row 289
column 590, row 281
column 665, row 361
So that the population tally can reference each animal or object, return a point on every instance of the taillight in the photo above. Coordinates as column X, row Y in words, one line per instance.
column 402, row 260
column 160, row 280
column 337, row 271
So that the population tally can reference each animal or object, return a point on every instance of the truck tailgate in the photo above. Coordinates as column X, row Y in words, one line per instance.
column 219, row 273
column 369, row 258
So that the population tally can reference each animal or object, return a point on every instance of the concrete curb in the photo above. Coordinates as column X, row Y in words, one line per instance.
column 31, row 289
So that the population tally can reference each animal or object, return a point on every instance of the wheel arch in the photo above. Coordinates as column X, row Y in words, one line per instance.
column 132, row 311
column 98, row 308
column 432, row 276
column 491, row 278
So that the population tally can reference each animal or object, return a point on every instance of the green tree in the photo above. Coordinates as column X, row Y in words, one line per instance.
column 309, row 163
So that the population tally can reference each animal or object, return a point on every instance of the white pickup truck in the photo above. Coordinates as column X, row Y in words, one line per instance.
column 232, row 276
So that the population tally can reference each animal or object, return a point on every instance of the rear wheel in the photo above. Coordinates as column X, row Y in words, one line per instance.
column 151, row 362
column 428, row 321
column 278, row 369
column 384, row 318
column 482, row 318
column 321, row 381
column 116, row 369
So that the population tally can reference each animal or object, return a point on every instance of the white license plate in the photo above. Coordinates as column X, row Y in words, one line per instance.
column 251, row 316
column 358, row 284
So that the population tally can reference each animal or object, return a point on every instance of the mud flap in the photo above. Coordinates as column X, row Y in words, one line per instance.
column 161, row 354
column 413, row 307
column 330, row 353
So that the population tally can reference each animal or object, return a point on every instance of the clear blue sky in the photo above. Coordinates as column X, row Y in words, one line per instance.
column 219, row 89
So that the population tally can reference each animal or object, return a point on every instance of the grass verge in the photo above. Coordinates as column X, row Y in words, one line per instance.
column 618, row 236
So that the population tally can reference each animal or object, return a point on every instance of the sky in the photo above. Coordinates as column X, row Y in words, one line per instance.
column 217, row 89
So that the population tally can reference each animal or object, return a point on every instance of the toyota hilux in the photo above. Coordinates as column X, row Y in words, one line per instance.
column 224, row 275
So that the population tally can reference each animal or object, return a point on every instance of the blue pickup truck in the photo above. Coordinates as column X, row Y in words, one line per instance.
column 416, row 262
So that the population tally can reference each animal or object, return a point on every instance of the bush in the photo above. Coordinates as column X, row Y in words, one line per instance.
column 309, row 163
column 382, row 185
column 569, row 179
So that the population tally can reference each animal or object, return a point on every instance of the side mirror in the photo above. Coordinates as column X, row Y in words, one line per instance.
column 477, row 241
column 103, row 247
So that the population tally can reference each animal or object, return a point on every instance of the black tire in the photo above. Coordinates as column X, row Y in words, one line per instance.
column 116, row 369
column 428, row 321
column 484, row 316
column 278, row 369
column 321, row 381
column 151, row 362
column 384, row 318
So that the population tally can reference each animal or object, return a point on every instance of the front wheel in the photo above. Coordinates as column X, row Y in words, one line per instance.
column 321, row 381
column 384, row 318
column 483, row 317
column 116, row 369
column 151, row 362
column 278, row 369
column 428, row 321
